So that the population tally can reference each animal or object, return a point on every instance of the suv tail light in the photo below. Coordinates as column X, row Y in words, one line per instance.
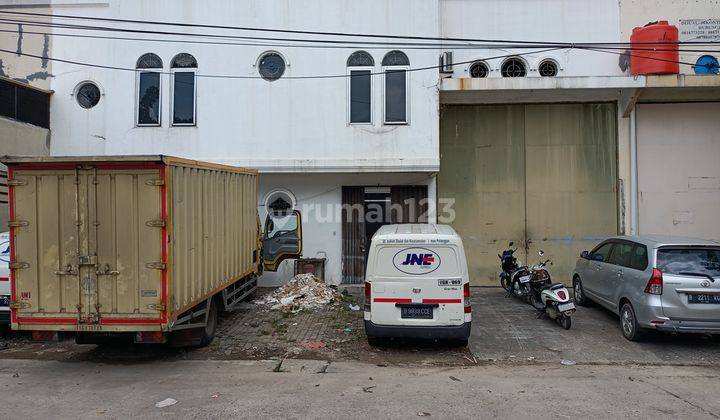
column 368, row 290
column 655, row 284
column 466, row 298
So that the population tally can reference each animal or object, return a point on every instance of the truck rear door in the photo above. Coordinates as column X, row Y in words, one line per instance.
column 87, row 243
column 418, row 286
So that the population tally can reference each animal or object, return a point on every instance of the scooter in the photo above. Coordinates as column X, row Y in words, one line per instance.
column 513, row 278
column 552, row 299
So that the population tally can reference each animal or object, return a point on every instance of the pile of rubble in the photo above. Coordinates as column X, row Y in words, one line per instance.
column 303, row 291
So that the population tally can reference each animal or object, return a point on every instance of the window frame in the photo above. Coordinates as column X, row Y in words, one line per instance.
column 349, row 95
column 138, row 76
column 407, row 94
column 174, row 70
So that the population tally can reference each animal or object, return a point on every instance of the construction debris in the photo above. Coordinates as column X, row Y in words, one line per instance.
column 303, row 291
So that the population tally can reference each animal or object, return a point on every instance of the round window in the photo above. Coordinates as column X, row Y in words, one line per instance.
column 87, row 95
column 513, row 67
column 271, row 66
column 548, row 68
column 478, row 70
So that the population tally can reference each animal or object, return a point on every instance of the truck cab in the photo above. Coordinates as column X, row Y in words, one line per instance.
column 417, row 284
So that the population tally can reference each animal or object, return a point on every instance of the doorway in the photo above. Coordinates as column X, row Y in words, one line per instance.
column 365, row 211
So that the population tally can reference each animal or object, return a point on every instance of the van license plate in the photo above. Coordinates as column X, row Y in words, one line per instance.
column 416, row 312
column 703, row 298
column 449, row 282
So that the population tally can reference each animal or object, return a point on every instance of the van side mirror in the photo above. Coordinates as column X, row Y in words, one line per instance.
column 585, row 255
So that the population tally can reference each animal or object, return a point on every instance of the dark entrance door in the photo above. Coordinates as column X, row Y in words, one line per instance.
column 367, row 209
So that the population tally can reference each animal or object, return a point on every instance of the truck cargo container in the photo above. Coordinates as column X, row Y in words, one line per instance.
column 148, row 248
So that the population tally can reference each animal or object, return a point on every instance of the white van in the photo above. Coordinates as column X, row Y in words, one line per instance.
column 4, row 278
column 416, row 284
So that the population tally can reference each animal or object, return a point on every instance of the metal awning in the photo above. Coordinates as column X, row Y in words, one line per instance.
column 627, row 90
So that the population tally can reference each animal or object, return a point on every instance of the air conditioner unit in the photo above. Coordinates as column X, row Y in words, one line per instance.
column 446, row 62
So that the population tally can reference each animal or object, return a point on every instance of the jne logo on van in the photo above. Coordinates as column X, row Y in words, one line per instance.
column 416, row 261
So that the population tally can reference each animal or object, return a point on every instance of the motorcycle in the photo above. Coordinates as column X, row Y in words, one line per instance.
column 534, row 286
column 514, row 278
column 552, row 299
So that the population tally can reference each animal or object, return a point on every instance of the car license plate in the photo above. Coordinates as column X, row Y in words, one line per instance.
column 524, row 279
column 416, row 312
column 703, row 298
column 566, row 307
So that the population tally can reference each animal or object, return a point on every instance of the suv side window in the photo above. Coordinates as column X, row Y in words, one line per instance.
column 621, row 254
column 603, row 250
column 639, row 259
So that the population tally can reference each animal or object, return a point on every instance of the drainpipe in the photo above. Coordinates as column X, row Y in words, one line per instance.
column 633, row 175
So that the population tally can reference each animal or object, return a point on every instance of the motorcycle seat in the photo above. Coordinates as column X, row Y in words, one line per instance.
column 553, row 286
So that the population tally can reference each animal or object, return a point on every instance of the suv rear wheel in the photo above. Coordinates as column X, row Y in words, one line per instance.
column 628, row 323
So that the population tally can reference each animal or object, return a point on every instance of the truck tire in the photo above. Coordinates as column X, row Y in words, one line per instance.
column 208, row 333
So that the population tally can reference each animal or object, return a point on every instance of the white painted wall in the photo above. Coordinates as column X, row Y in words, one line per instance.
column 286, row 125
column 322, row 234
column 679, row 179
column 530, row 20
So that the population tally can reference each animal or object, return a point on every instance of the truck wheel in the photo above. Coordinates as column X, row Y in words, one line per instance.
column 208, row 333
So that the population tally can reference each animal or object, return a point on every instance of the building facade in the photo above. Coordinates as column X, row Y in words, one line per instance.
column 547, row 146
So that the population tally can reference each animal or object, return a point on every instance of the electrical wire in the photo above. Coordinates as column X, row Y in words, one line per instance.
column 285, row 45
column 324, row 33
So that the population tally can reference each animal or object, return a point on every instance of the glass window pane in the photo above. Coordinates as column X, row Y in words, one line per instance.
column 639, row 258
column 689, row 260
column 621, row 254
column 7, row 99
column 184, row 98
column 395, row 96
column 149, row 98
column 360, row 96
column 602, row 252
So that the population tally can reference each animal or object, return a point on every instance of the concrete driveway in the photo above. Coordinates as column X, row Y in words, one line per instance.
column 505, row 328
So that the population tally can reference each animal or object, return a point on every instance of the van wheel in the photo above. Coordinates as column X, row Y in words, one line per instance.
column 208, row 333
column 628, row 323
column 579, row 293
column 373, row 341
column 463, row 342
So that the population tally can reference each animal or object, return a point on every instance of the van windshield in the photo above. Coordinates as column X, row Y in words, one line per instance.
column 679, row 260
column 421, row 260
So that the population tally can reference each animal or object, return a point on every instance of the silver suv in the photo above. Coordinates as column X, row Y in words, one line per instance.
column 662, row 283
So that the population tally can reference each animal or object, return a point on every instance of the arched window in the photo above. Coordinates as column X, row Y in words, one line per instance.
column 360, row 67
column 149, row 66
column 395, row 65
column 183, row 68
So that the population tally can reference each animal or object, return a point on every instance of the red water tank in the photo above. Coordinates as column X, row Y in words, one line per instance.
column 655, row 49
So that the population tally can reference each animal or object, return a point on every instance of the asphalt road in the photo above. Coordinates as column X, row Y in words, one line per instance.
column 239, row 389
